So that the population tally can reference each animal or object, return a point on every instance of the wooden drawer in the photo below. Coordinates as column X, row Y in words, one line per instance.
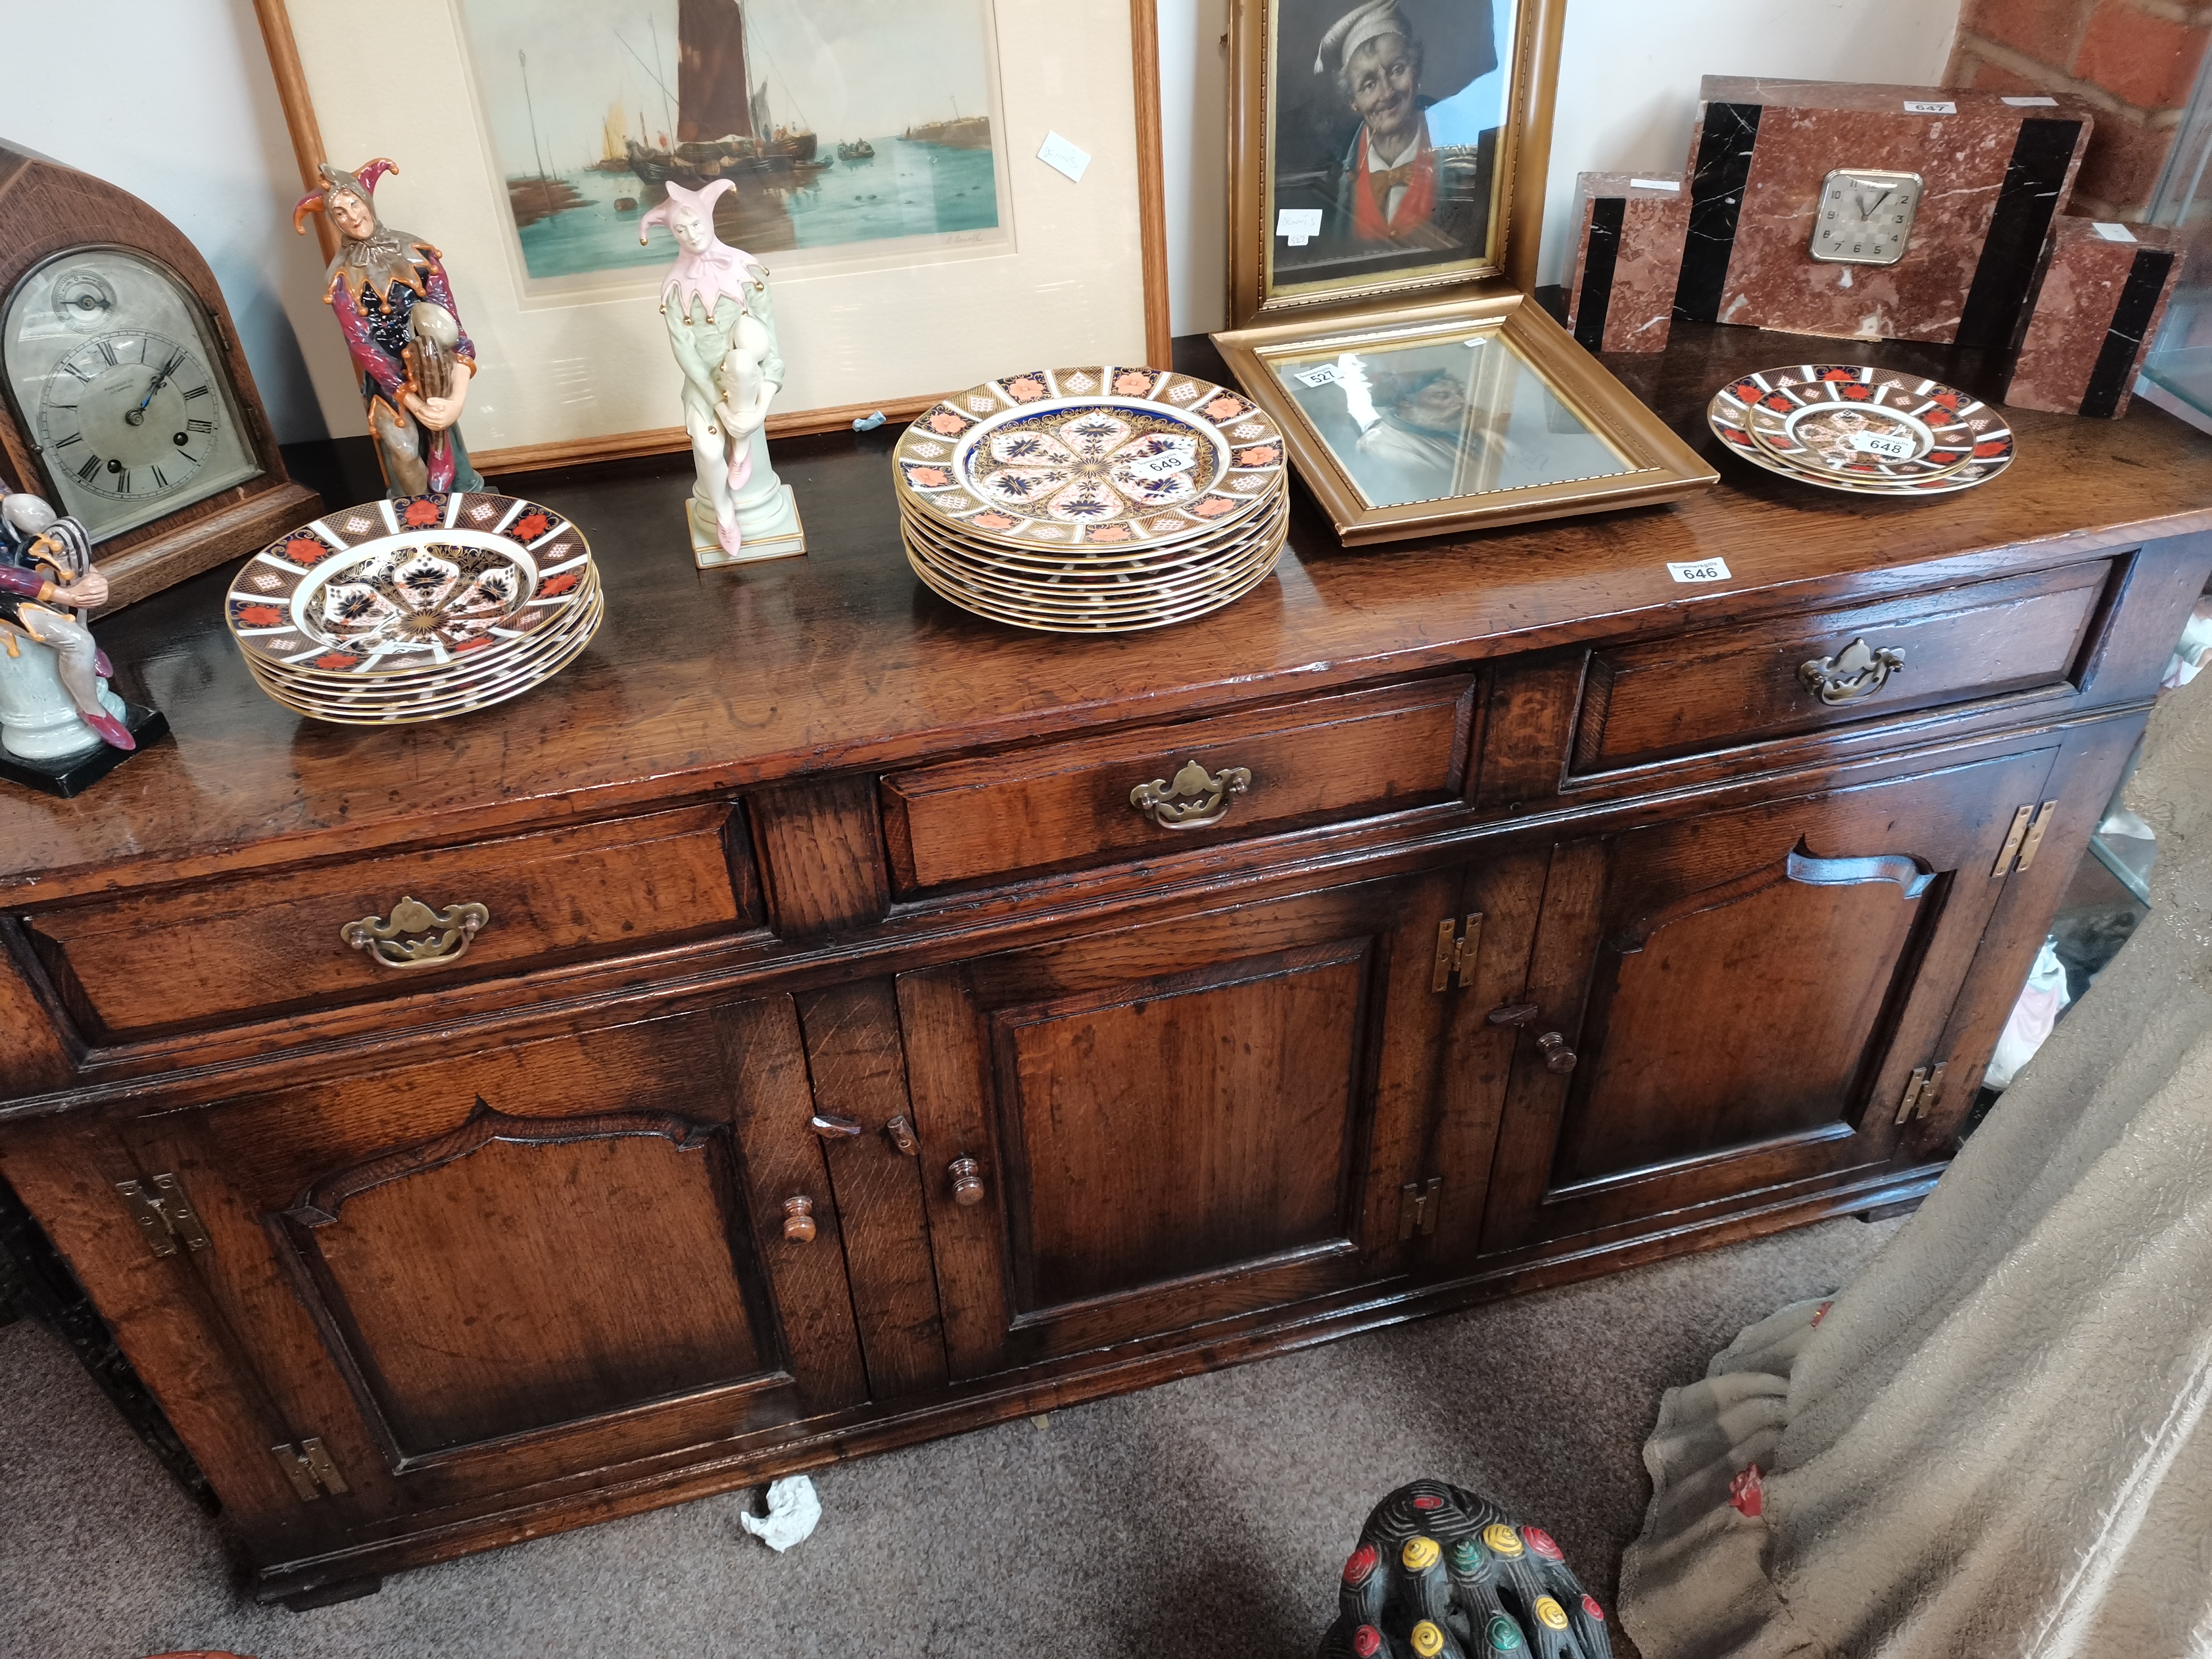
column 1725, row 686
column 264, row 945
column 1068, row 803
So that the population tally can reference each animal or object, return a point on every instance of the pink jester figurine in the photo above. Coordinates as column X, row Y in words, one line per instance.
column 395, row 306
column 722, row 330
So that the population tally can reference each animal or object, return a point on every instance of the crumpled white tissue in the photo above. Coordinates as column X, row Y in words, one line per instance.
column 793, row 1513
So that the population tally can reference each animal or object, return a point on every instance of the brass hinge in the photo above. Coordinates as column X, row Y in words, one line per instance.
column 2034, row 841
column 1419, row 1202
column 309, row 1469
column 1455, row 952
column 164, row 1217
column 1920, row 1091
column 2025, row 837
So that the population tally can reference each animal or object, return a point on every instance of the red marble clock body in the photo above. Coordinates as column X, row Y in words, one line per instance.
column 1993, row 171
column 1626, row 259
column 2099, row 299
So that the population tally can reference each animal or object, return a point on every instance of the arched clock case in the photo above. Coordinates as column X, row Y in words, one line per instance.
column 126, row 397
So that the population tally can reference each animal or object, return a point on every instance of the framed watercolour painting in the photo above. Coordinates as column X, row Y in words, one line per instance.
column 1456, row 416
column 885, row 169
column 1385, row 147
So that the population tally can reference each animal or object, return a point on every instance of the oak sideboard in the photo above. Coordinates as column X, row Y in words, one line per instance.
column 846, row 1061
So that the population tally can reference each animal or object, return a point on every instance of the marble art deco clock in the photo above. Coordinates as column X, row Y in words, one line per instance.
column 127, row 402
column 1873, row 212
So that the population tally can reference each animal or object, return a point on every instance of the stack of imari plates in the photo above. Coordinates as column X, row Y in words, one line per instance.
column 414, row 610
column 1866, row 431
column 1098, row 500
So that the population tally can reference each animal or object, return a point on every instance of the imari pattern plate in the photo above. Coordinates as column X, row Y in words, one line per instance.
column 1099, row 456
column 414, row 610
column 1127, row 597
column 406, row 587
column 1865, row 431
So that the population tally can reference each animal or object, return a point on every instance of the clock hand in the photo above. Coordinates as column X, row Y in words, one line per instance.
column 137, row 416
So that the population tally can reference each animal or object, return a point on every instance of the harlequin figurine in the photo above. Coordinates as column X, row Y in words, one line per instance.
column 1446, row 1574
column 722, row 329
column 54, row 700
column 394, row 304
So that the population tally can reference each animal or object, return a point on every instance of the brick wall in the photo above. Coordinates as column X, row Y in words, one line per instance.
column 2135, row 60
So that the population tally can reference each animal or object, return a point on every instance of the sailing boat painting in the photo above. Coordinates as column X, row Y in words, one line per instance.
column 840, row 123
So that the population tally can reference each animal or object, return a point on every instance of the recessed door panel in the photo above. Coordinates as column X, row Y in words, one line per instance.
column 593, row 1272
column 1731, row 1005
column 1774, row 997
column 1132, row 1134
column 521, row 1267
column 1178, row 1127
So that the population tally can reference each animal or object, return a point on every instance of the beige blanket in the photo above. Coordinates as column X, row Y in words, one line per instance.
column 1994, row 1442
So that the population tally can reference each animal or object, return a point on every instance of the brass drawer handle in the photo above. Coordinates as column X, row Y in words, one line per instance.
column 1856, row 672
column 449, row 931
column 1196, row 799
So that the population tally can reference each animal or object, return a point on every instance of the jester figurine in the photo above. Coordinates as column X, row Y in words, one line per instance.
column 721, row 328
column 45, row 567
column 395, row 306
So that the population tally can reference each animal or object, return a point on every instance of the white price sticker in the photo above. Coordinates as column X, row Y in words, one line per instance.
column 1298, row 225
column 1706, row 570
column 2112, row 233
column 1930, row 106
column 2036, row 102
column 1164, row 465
column 1062, row 157
column 1322, row 374
column 1653, row 184
column 1885, row 444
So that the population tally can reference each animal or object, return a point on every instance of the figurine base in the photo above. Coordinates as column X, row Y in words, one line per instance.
column 706, row 552
column 66, row 775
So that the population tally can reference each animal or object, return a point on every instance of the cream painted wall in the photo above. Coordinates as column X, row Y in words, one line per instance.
column 173, row 100
column 194, row 128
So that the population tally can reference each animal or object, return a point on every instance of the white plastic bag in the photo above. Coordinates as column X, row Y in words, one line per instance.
column 2032, row 1017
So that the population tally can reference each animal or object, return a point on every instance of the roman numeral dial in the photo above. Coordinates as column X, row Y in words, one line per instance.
column 124, row 389
column 131, row 416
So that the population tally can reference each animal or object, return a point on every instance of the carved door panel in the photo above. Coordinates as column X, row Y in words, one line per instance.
column 1737, row 1003
column 521, row 1267
column 1133, row 1132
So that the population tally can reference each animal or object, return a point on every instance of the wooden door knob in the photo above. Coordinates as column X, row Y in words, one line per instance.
column 799, row 1220
column 967, row 1181
column 1558, row 1057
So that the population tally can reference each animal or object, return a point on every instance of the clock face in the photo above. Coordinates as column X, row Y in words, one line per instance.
column 1864, row 216
column 116, row 379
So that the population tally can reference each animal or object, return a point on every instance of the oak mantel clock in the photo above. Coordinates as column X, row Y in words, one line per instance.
column 127, row 399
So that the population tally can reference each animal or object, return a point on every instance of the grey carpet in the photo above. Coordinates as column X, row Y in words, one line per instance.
column 1208, row 1515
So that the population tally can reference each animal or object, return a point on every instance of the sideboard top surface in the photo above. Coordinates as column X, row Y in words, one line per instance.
column 705, row 681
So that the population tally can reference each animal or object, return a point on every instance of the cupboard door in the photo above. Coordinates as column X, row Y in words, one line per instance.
column 1133, row 1132
column 1736, row 1003
column 523, row 1265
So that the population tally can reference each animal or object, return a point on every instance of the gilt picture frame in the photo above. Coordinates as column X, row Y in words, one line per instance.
column 1456, row 415
column 1385, row 148
column 887, row 309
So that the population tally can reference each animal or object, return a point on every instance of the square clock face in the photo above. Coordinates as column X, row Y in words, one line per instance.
column 1864, row 216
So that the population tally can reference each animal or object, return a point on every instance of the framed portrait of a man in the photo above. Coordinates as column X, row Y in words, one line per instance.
column 1378, row 146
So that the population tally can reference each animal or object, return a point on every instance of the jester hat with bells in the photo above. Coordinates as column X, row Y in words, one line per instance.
column 383, row 257
column 717, row 269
